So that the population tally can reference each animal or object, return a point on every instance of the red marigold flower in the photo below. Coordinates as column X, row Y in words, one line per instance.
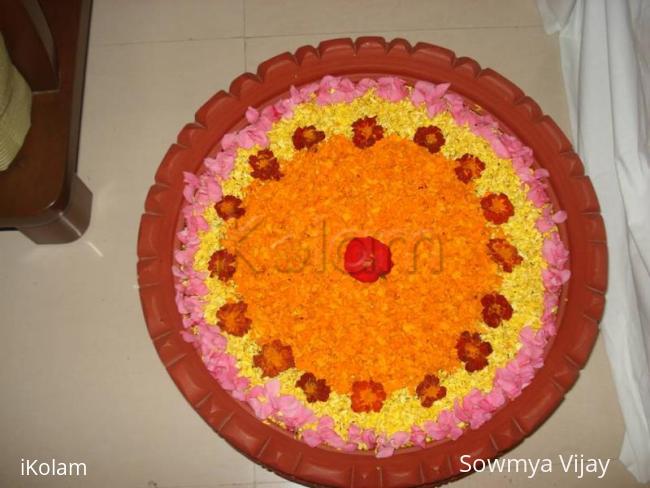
column 497, row 207
column 504, row 254
column 367, row 259
column 265, row 165
column 366, row 132
column 229, row 208
column 473, row 351
column 469, row 167
column 232, row 318
column 222, row 264
column 367, row 396
column 306, row 137
column 495, row 309
column 430, row 390
column 274, row 358
column 430, row 137
column 315, row 390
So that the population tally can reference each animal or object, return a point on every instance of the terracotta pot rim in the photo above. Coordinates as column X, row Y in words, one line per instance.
column 582, row 301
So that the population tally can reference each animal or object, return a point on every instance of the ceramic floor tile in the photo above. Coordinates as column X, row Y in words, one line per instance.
column 128, row 21
column 525, row 55
column 80, row 377
column 266, row 479
column 138, row 97
column 288, row 17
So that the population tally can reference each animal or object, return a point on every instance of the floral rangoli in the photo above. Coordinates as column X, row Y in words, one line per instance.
column 370, row 265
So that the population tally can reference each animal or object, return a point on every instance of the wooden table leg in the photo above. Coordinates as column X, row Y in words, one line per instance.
column 70, row 223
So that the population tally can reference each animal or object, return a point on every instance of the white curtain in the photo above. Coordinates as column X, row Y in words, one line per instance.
column 605, row 49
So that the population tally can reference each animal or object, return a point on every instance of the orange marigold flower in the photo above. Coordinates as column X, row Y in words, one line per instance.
column 495, row 309
column 229, row 208
column 306, row 137
column 274, row 358
column 265, row 165
column 367, row 396
column 430, row 390
column 366, row 132
column 232, row 318
column 497, row 207
column 469, row 167
column 473, row 351
column 315, row 390
column 222, row 264
column 504, row 254
column 430, row 137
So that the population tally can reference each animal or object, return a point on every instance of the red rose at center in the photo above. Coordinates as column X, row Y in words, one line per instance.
column 367, row 259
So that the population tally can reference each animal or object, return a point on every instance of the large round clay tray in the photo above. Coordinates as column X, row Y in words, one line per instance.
column 582, row 303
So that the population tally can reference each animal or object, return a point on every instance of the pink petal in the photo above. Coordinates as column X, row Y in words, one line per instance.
column 495, row 398
column 332, row 438
column 559, row 217
column 213, row 190
column 272, row 388
column 418, row 436
column 222, row 164
column 425, row 92
column 385, row 451
column 354, row 433
column 544, row 224
column 369, row 439
column 311, row 438
column 255, row 392
column 391, row 88
column 398, row 439
column 252, row 115
column 436, row 107
column 538, row 195
column 325, row 423
column 229, row 141
column 364, row 85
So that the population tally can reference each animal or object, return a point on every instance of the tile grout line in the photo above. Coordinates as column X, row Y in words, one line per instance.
column 245, row 38
column 165, row 41
column 303, row 34
column 373, row 31
column 243, row 14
